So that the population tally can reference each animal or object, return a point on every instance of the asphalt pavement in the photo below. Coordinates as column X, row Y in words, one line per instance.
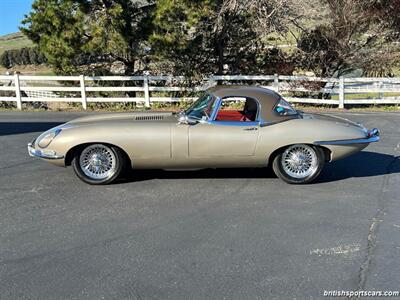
column 210, row 234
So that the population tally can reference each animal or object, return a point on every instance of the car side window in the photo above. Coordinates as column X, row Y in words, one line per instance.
column 237, row 109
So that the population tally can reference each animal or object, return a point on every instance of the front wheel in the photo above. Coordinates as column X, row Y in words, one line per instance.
column 98, row 164
column 299, row 163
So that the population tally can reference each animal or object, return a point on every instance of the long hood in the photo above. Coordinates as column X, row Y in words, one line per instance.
column 125, row 117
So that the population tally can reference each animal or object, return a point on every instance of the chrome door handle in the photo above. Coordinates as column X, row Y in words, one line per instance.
column 250, row 129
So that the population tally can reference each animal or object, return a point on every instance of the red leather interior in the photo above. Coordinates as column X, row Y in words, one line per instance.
column 230, row 115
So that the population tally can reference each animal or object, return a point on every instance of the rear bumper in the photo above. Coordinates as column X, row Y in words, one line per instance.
column 372, row 137
column 46, row 154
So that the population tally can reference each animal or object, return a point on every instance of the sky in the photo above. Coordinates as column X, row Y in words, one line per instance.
column 12, row 13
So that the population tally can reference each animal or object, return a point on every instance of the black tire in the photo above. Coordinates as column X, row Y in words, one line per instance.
column 277, row 166
column 118, row 169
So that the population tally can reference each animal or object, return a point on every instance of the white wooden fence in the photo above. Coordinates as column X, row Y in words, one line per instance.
column 314, row 90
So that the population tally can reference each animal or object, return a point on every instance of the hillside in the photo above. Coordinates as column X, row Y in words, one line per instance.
column 14, row 41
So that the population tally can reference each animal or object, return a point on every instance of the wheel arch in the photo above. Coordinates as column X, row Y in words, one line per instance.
column 327, row 152
column 75, row 149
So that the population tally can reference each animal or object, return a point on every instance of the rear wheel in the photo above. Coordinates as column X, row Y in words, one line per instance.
column 98, row 164
column 299, row 163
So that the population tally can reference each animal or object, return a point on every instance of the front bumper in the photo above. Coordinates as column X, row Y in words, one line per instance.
column 46, row 154
column 372, row 137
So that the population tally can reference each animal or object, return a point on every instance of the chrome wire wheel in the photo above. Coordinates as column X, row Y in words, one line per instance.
column 299, row 161
column 98, row 162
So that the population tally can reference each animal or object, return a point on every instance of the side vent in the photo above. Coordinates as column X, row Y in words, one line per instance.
column 149, row 118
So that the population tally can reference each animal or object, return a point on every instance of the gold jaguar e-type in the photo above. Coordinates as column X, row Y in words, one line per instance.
column 227, row 127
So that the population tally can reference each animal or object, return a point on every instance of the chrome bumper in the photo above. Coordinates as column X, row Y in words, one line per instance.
column 42, row 153
column 372, row 137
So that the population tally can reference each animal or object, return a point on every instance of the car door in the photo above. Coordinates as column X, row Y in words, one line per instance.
column 215, row 138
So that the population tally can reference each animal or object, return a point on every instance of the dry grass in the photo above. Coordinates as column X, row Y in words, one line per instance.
column 14, row 41
column 28, row 70
column 349, row 108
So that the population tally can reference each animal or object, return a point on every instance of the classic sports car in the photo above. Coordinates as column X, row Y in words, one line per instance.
column 229, row 126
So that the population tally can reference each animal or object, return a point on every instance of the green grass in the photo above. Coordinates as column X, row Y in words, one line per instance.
column 367, row 96
column 349, row 108
column 14, row 41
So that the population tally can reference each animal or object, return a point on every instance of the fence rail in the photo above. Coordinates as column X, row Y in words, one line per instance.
column 80, row 89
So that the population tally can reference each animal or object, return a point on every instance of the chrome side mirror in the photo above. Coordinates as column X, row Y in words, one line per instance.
column 184, row 119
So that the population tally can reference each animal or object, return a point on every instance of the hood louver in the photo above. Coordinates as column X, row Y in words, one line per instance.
column 149, row 118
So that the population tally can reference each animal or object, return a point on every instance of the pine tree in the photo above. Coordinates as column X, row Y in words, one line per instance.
column 5, row 60
column 66, row 30
column 208, row 36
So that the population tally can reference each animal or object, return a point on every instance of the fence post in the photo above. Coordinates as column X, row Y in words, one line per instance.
column 276, row 82
column 18, row 91
column 212, row 82
column 83, row 91
column 381, row 95
column 146, row 90
column 341, row 92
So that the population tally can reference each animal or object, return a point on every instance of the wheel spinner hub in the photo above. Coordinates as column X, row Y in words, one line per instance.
column 98, row 162
column 299, row 161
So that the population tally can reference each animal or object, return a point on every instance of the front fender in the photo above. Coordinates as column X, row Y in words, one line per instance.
column 136, row 140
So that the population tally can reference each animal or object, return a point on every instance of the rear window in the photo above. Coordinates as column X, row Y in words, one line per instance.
column 283, row 108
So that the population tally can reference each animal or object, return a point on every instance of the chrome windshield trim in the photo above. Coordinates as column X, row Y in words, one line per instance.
column 372, row 137
column 216, row 109
column 40, row 154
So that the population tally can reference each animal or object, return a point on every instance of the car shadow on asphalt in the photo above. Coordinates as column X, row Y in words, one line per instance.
column 231, row 173
column 10, row 128
column 362, row 164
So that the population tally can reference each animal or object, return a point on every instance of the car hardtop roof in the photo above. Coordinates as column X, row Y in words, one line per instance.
column 267, row 99
column 260, row 93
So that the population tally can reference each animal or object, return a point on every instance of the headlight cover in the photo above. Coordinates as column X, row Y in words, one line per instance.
column 46, row 138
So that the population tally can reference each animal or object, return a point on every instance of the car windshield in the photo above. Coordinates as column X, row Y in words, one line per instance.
column 203, row 107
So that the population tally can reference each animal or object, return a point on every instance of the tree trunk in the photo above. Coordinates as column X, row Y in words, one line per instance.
column 129, row 71
column 220, row 52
